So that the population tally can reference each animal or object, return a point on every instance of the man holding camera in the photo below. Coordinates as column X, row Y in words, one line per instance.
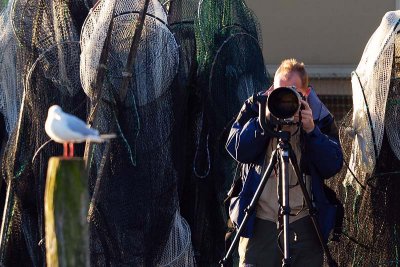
column 314, row 140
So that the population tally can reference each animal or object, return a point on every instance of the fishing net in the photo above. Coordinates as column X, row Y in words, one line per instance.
column 230, row 69
column 217, row 19
column 186, row 97
column 181, row 16
column 369, row 233
column 79, row 10
column 94, row 34
column 370, row 83
column 392, row 116
column 4, row 4
column 134, row 213
column 47, row 84
column 10, row 82
column 48, row 65
column 178, row 251
column 243, row 70
column 180, row 11
column 39, row 24
column 228, row 39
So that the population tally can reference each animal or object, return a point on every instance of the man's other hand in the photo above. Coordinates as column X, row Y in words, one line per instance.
column 307, row 117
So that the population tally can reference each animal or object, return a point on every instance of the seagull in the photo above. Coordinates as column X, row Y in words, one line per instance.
column 68, row 129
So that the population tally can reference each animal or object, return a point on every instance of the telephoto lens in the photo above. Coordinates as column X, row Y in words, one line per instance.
column 283, row 103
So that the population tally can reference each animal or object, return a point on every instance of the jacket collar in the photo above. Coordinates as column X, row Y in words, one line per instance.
column 318, row 108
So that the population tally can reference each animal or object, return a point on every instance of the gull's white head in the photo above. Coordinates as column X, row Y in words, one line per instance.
column 55, row 109
column 55, row 112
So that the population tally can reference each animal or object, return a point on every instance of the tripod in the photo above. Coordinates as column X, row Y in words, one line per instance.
column 286, row 156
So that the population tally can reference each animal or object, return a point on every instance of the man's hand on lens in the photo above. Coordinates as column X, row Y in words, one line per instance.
column 307, row 117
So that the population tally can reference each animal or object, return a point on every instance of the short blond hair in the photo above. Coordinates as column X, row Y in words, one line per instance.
column 292, row 65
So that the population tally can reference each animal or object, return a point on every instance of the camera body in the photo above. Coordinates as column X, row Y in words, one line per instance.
column 283, row 104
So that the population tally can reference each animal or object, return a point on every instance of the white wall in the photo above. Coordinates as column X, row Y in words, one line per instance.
column 318, row 32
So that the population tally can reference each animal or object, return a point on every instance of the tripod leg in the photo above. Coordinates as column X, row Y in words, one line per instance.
column 285, row 208
column 311, row 209
column 251, row 208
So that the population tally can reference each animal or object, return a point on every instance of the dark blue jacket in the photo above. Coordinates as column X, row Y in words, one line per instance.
column 321, row 158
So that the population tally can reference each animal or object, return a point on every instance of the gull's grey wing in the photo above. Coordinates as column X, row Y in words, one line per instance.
column 77, row 125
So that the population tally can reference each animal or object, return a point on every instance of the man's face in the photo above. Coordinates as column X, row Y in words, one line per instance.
column 290, row 79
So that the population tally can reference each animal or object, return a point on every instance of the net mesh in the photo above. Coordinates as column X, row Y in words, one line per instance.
column 178, row 251
column 10, row 83
column 47, row 65
column 94, row 34
column 369, row 232
column 235, row 77
column 133, row 178
column 392, row 114
column 180, row 11
column 216, row 20
column 133, row 172
column 79, row 10
column 186, row 95
column 370, row 83
column 227, row 40
column 46, row 86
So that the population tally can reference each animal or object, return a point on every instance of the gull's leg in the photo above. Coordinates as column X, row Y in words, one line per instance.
column 65, row 154
column 71, row 150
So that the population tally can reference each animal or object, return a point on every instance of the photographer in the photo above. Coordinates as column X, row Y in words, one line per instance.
column 319, row 156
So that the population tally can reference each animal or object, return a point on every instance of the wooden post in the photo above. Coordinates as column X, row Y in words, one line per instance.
column 66, row 207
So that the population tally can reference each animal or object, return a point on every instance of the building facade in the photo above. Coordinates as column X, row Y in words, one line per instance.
column 328, row 36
